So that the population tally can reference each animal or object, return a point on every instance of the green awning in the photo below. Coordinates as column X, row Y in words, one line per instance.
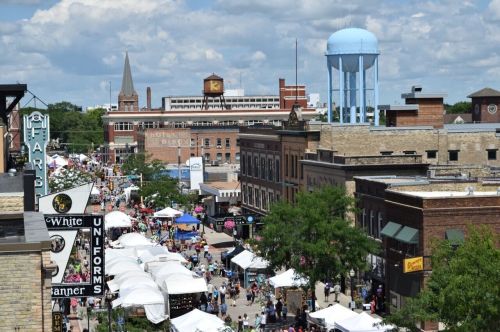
column 408, row 235
column 455, row 236
column 390, row 229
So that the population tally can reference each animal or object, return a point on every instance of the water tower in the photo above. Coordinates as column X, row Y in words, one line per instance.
column 352, row 60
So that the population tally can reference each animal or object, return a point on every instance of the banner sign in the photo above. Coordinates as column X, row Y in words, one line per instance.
column 413, row 264
column 36, row 138
column 238, row 220
column 89, row 232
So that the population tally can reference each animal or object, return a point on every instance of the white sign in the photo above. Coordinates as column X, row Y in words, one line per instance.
column 195, row 172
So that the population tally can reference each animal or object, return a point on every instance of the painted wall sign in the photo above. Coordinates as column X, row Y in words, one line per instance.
column 64, row 229
column 36, row 138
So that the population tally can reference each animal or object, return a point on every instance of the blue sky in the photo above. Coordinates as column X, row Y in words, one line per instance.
column 71, row 49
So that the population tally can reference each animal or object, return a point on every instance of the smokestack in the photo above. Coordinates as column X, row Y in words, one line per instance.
column 148, row 98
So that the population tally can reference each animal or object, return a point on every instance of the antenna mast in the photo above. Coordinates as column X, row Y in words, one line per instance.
column 296, row 86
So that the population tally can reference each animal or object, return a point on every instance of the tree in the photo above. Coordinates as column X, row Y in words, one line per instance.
column 314, row 236
column 458, row 108
column 161, row 192
column 68, row 178
column 463, row 291
column 140, row 163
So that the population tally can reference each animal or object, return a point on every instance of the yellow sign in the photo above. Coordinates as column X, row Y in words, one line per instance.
column 413, row 264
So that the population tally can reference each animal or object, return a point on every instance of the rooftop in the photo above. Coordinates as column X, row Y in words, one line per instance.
column 486, row 92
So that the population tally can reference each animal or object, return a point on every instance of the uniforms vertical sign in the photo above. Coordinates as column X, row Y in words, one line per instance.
column 36, row 138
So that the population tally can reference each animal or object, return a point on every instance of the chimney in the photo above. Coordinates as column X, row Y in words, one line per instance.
column 148, row 98
column 282, row 92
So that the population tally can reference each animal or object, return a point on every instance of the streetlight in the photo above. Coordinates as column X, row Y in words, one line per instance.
column 89, row 310
column 352, row 274
column 109, row 297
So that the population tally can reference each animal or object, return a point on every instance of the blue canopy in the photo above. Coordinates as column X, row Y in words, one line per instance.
column 187, row 219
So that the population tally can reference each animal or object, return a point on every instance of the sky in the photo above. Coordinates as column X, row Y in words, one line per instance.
column 73, row 50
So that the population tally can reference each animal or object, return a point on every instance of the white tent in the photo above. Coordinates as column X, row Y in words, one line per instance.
column 197, row 320
column 134, row 282
column 169, row 267
column 151, row 298
column 109, row 262
column 150, row 254
column 248, row 260
column 183, row 284
column 82, row 157
column 117, row 219
column 114, row 284
column 362, row 322
column 56, row 161
column 128, row 191
column 134, row 240
column 95, row 191
column 110, row 253
column 168, row 213
column 328, row 316
column 288, row 279
column 122, row 268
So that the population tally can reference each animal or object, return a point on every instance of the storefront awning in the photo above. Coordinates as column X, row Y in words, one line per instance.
column 390, row 229
column 455, row 236
column 407, row 235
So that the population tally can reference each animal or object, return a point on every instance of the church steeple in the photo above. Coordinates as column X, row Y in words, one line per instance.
column 127, row 82
column 128, row 100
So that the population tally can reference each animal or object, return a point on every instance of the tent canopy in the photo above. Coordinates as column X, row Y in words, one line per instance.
column 187, row 219
column 184, row 284
column 362, row 322
column 197, row 320
column 248, row 260
column 328, row 316
column 117, row 219
column 167, row 213
column 149, row 297
column 119, row 268
column 134, row 240
column 288, row 278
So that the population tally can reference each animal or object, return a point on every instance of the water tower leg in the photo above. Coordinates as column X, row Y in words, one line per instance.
column 352, row 95
column 361, row 90
column 375, row 90
column 341, row 90
column 330, row 111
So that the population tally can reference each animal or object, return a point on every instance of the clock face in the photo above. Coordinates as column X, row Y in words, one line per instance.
column 476, row 108
column 492, row 108
column 214, row 85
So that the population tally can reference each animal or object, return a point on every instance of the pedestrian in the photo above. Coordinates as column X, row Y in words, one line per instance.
column 205, row 250
column 210, row 290
column 216, row 294
column 373, row 305
column 327, row 291
column 285, row 311
column 291, row 328
column 249, row 296
column 246, row 324
column 336, row 290
column 215, row 308
column 263, row 321
column 240, row 324
column 279, row 309
column 257, row 322
column 203, row 302
column 223, row 309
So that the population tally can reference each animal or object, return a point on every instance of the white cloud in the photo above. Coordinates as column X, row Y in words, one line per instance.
column 172, row 47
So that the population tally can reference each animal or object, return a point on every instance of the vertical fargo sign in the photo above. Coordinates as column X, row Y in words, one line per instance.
column 36, row 138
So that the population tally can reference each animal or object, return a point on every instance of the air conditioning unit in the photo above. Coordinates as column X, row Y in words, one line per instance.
column 219, row 147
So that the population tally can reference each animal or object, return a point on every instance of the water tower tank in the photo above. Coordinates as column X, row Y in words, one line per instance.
column 352, row 52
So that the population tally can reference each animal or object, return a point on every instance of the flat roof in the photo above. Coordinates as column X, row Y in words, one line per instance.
column 11, row 184
column 418, row 95
column 408, row 107
column 446, row 194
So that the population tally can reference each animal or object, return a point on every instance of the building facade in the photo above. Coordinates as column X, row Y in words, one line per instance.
column 122, row 127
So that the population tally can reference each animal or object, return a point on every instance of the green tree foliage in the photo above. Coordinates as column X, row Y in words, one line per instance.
column 68, row 178
column 314, row 236
column 140, row 163
column 463, row 291
column 161, row 192
column 458, row 108
column 79, row 131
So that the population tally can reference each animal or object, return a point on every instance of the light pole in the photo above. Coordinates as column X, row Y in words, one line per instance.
column 89, row 310
column 109, row 297
column 352, row 274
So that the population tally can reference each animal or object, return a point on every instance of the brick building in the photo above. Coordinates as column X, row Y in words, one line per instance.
column 25, row 265
column 122, row 127
column 485, row 104
column 407, row 214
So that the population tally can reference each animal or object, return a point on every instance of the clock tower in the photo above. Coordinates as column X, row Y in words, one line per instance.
column 213, row 87
column 485, row 106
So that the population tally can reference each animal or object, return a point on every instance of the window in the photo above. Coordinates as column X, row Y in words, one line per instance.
column 363, row 220
column 386, row 153
column 237, row 156
column 372, row 223
column 219, row 157
column 379, row 225
column 123, row 126
column 270, row 170
column 492, row 154
column 410, row 152
column 249, row 165
column 257, row 198
column 271, row 197
column 228, row 143
column 237, row 142
column 148, row 124
column 286, row 165
column 206, row 142
column 264, row 200
column 250, row 196
column 207, row 157
column 263, row 168
column 431, row 154
column 256, row 167
column 244, row 193
column 277, row 169
column 243, row 164
column 219, row 142
column 227, row 158
column 453, row 155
